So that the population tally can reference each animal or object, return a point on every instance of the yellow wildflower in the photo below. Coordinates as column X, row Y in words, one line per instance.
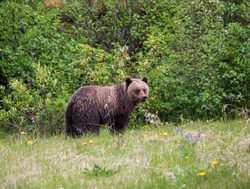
column 30, row 142
column 165, row 134
column 84, row 143
column 201, row 174
column 145, row 136
column 155, row 135
column 23, row 133
column 91, row 141
column 214, row 163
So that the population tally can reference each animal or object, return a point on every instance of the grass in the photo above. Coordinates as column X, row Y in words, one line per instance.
column 193, row 155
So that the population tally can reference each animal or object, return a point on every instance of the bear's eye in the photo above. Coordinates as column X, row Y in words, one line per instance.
column 145, row 91
column 137, row 91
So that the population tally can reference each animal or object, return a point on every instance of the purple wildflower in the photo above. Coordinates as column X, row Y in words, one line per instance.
column 189, row 138
column 178, row 131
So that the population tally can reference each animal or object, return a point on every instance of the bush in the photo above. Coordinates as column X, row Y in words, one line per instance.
column 195, row 53
column 36, row 107
column 199, row 62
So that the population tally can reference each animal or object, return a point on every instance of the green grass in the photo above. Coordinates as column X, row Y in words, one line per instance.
column 144, row 158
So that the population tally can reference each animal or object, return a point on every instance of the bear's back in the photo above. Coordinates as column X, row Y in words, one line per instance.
column 100, row 94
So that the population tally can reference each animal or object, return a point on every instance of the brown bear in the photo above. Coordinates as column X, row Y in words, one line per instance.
column 92, row 106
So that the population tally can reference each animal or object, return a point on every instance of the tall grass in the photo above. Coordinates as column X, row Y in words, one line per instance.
column 193, row 155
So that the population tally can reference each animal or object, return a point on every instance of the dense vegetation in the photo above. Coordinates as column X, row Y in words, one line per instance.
column 195, row 53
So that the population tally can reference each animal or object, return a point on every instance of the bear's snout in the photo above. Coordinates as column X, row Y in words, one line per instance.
column 144, row 98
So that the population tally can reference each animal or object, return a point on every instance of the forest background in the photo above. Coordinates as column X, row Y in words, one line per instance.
column 195, row 53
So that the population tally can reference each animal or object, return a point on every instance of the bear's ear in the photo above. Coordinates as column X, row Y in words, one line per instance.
column 145, row 79
column 128, row 81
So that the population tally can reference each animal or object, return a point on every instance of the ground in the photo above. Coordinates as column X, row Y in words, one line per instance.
column 192, row 155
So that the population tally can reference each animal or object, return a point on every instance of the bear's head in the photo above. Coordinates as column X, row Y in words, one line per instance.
column 137, row 89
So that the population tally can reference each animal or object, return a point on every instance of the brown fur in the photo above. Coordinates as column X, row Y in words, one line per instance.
column 92, row 106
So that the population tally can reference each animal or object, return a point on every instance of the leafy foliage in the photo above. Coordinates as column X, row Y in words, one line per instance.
column 195, row 53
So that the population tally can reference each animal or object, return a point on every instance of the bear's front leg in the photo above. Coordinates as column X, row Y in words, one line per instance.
column 119, row 124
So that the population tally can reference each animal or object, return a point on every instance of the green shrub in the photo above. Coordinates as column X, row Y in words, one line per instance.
column 36, row 107
column 195, row 54
column 198, row 63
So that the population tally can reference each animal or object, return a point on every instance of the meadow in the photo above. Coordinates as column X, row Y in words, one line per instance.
column 191, row 155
